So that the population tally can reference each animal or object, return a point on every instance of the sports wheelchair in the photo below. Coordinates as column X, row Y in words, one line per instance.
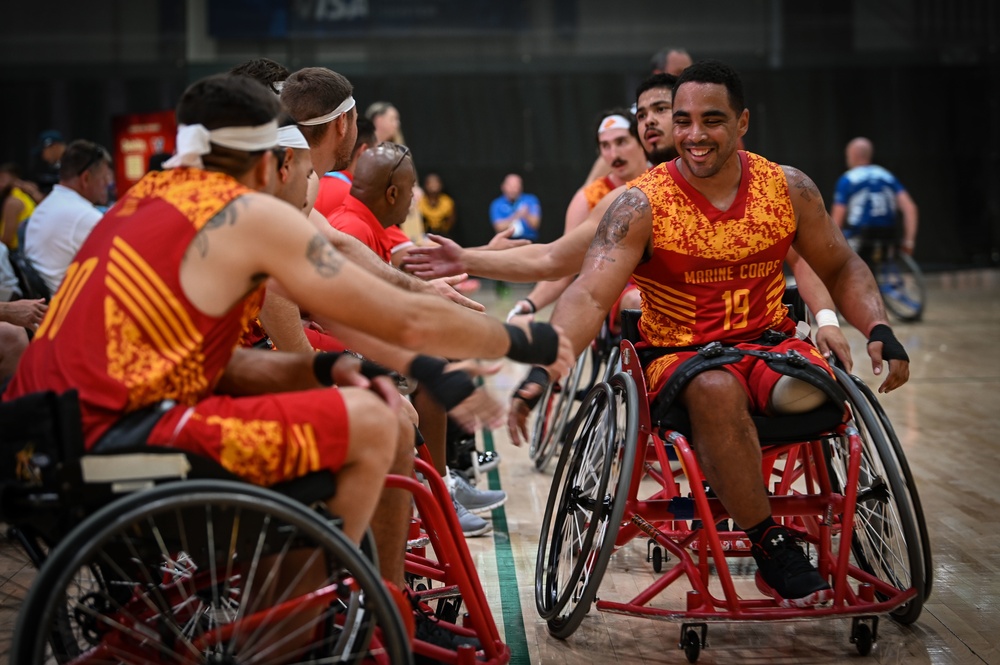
column 134, row 566
column 838, row 480
column 598, row 362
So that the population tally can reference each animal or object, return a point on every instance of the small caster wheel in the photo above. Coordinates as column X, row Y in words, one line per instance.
column 692, row 646
column 657, row 559
column 863, row 639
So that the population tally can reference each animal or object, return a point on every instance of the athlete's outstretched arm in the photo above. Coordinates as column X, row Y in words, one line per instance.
column 531, row 263
column 845, row 274
column 829, row 338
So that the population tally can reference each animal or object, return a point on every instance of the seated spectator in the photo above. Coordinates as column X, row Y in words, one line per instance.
column 436, row 207
column 46, row 159
column 16, row 204
column 516, row 209
column 62, row 222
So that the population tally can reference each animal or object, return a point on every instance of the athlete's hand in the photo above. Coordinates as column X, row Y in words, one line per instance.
column 478, row 410
column 429, row 262
column 347, row 373
column 502, row 240
column 517, row 416
column 445, row 286
column 830, row 340
column 24, row 313
column 899, row 370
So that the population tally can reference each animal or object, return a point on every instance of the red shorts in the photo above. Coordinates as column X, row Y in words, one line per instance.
column 322, row 341
column 263, row 439
column 753, row 373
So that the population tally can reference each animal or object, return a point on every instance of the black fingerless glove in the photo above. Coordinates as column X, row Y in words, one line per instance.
column 891, row 348
column 536, row 375
column 449, row 389
column 541, row 349
column 324, row 361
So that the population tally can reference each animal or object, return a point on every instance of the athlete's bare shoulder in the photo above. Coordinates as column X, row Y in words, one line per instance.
column 805, row 194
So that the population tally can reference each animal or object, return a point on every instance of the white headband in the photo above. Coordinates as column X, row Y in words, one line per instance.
column 278, row 85
column 290, row 136
column 613, row 122
column 193, row 141
column 344, row 107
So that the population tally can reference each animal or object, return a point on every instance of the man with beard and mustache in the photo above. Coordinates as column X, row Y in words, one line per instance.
column 618, row 143
column 704, row 236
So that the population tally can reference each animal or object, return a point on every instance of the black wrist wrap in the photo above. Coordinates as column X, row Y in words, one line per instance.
column 891, row 348
column 535, row 375
column 323, row 363
column 449, row 389
column 542, row 349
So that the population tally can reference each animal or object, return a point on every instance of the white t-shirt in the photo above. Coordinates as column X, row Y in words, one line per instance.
column 56, row 230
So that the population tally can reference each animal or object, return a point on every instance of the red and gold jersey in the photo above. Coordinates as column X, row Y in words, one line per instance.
column 120, row 329
column 715, row 275
column 597, row 190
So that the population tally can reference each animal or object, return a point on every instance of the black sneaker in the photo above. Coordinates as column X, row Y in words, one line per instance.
column 428, row 629
column 785, row 573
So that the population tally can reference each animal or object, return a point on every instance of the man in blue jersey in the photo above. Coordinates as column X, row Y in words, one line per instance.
column 867, row 200
column 516, row 208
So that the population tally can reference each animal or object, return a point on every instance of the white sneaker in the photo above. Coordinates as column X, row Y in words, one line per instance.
column 472, row 525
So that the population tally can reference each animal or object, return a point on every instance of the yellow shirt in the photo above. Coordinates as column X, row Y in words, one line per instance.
column 29, row 207
column 437, row 218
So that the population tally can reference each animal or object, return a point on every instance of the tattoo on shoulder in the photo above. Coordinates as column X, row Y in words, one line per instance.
column 225, row 217
column 323, row 256
column 805, row 186
column 617, row 221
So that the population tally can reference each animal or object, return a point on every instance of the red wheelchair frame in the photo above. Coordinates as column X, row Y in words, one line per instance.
column 595, row 508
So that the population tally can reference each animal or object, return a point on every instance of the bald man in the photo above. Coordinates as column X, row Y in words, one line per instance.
column 868, row 198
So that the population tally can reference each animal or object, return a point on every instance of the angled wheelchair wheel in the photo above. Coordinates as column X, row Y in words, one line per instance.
column 542, row 422
column 586, row 504
column 563, row 403
column 902, row 285
column 889, row 537
column 208, row 572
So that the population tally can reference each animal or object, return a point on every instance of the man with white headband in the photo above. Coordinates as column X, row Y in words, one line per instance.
column 617, row 139
column 162, row 289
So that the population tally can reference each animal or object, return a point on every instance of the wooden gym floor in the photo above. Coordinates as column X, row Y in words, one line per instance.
column 948, row 419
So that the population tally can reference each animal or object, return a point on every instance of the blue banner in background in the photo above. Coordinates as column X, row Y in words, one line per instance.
column 278, row 19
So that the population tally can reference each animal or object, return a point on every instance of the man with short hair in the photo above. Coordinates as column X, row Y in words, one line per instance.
column 64, row 219
column 868, row 198
column 670, row 60
column 159, row 294
column 705, row 237
column 517, row 209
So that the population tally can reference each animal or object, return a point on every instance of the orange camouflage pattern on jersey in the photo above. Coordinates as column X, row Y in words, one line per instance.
column 596, row 191
column 699, row 260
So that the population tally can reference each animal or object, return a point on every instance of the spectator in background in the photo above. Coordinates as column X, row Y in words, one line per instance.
column 516, row 209
column 45, row 160
column 436, row 207
column 62, row 222
column 16, row 205
column 670, row 60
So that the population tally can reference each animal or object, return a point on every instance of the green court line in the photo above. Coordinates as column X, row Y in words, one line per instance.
column 510, row 597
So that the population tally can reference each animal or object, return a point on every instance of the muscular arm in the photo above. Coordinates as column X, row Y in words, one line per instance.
column 530, row 263
column 261, row 236
column 850, row 282
column 282, row 322
column 817, row 298
column 621, row 241
column 838, row 213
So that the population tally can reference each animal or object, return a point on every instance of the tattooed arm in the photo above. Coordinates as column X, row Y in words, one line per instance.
column 621, row 241
column 849, row 280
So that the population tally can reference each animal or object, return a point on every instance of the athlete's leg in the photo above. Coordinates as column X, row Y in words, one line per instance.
column 725, row 441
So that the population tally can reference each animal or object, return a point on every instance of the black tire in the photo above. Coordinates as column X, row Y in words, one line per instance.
column 692, row 646
column 863, row 639
column 196, row 563
column 886, row 541
column 562, row 411
column 902, row 285
column 540, row 425
column 584, row 513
